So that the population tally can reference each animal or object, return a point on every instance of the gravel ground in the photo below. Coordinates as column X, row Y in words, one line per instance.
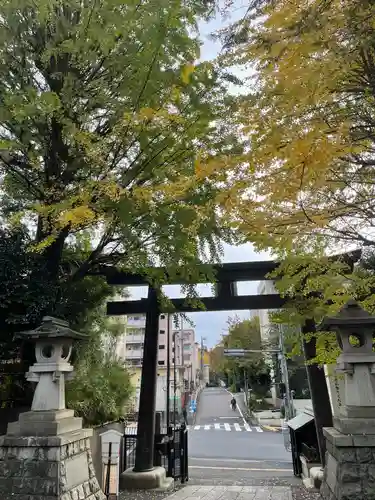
column 148, row 495
column 301, row 493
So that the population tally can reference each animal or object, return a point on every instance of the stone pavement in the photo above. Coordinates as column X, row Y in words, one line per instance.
column 232, row 493
column 199, row 492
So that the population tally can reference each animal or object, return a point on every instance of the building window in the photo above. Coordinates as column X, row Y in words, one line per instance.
column 172, row 349
column 173, row 360
column 162, row 346
column 162, row 316
column 162, row 331
column 160, row 362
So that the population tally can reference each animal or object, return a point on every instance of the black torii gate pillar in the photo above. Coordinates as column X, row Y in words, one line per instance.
column 144, row 455
column 145, row 475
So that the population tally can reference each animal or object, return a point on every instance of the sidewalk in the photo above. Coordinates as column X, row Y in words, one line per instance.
column 198, row 492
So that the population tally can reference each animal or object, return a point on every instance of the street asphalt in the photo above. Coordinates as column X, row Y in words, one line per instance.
column 225, row 450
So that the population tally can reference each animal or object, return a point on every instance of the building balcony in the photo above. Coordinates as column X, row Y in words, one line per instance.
column 133, row 363
column 135, row 339
column 136, row 322
column 134, row 354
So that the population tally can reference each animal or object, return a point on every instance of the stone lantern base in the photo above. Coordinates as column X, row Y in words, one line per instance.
column 349, row 473
column 48, row 467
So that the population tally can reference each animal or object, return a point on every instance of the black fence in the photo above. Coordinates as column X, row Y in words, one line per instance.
column 171, row 451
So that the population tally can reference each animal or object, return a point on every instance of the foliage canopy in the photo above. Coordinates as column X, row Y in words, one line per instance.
column 105, row 119
column 307, row 181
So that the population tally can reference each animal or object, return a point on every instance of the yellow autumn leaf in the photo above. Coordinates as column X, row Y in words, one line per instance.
column 76, row 216
column 186, row 72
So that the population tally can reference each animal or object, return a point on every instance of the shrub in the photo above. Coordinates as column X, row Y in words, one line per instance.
column 100, row 389
column 257, row 403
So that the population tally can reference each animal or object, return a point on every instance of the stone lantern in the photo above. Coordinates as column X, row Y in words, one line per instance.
column 53, row 348
column 354, row 328
column 350, row 443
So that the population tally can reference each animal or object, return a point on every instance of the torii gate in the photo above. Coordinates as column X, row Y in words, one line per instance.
column 227, row 275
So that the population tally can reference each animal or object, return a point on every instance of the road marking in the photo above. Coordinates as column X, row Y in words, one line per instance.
column 228, row 427
column 239, row 460
column 227, row 418
column 271, row 428
column 212, row 467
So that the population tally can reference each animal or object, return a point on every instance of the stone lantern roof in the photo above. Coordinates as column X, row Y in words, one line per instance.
column 350, row 316
column 52, row 328
column 354, row 332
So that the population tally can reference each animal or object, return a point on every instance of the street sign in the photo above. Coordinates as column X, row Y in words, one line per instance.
column 234, row 352
column 238, row 353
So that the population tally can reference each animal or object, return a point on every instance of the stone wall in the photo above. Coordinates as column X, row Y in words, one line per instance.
column 47, row 468
column 350, row 467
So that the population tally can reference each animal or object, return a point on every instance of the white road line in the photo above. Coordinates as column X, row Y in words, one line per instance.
column 217, row 426
column 238, row 408
column 207, row 427
column 237, row 427
column 197, row 427
column 237, row 468
column 247, row 428
column 227, row 427
column 258, row 429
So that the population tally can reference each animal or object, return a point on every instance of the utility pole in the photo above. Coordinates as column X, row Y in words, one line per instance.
column 168, row 370
column 289, row 410
column 246, row 385
column 202, row 359
column 182, row 390
column 174, row 378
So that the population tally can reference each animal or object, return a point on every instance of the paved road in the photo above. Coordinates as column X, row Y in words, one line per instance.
column 223, row 449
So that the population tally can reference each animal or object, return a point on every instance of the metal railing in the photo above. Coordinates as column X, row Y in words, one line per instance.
column 171, row 450
column 310, row 453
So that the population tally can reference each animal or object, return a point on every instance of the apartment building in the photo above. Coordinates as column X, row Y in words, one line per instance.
column 134, row 341
column 187, row 356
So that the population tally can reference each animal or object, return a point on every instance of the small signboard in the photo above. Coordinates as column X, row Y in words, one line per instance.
column 193, row 406
column 111, row 445
column 234, row 352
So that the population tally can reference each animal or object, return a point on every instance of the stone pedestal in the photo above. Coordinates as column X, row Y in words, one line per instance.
column 350, row 466
column 155, row 479
column 48, row 468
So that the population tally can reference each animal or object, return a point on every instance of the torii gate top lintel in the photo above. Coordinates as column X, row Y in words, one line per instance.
column 227, row 275
column 233, row 271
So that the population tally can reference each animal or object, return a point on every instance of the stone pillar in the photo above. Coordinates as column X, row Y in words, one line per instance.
column 350, row 458
column 46, row 455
